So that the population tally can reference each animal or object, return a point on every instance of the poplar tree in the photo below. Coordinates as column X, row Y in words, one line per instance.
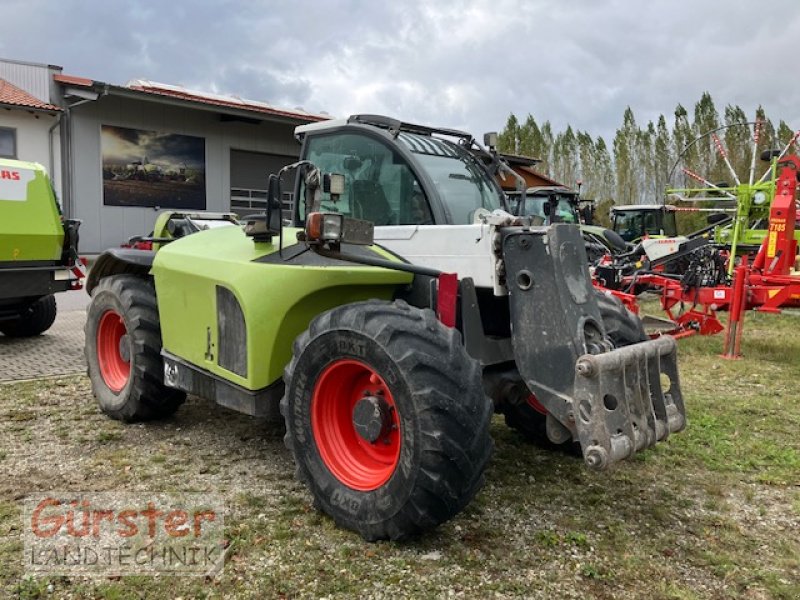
column 627, row 191
column 662, row 157
column 685, row 155
column 706, row 119
column 641, row 163
column 507, row 140
column 738, row 140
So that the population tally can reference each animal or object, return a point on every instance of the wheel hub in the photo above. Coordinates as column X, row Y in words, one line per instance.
column 124, row 348
column 372, row 418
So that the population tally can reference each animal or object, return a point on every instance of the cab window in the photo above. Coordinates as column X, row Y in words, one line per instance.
column 379, row 185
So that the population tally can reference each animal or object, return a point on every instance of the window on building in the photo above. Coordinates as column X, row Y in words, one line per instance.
column 8, row 142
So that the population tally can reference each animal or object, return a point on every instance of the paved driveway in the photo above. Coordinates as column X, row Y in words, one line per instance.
column 58, row 351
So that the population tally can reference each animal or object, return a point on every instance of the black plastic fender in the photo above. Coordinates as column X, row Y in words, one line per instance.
column 117, row 261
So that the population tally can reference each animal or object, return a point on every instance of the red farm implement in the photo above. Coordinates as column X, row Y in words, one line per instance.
column 693, row 280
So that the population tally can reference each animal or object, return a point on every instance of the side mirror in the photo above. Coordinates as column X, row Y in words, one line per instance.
column 768, row 155
column 490, row 139
column 262, row 227
column 274, row 206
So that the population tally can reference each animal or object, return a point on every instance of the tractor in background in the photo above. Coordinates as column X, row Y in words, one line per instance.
column 547, row 205
column 400, row 308
column 633, row 222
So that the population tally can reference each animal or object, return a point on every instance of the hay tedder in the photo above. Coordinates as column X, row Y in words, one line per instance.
column 705, row 275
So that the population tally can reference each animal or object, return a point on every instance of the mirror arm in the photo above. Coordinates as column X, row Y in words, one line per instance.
column 273, row 189
column 503, row 167
column 313, row 197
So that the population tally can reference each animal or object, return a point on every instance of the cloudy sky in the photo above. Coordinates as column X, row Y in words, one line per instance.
column 465, row 64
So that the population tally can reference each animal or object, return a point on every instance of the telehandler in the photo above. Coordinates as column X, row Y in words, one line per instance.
column 400, row 308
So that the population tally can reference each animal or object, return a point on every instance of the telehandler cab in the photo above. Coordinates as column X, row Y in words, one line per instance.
column 398, row 310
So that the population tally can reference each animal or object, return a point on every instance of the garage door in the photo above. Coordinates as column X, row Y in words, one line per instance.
column 249, row 176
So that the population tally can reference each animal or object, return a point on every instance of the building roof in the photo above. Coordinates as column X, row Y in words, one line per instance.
column 515, row 160
column 11, row 95
column 72, row 80
column 182, row 94
column 176, row 91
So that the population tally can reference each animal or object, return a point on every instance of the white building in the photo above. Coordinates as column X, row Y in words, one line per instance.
column 29, row 120
column 119, row 153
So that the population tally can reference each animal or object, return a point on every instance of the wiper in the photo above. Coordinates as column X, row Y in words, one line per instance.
column 460, row 176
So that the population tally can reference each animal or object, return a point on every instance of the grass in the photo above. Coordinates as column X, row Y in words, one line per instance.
column 712, row 513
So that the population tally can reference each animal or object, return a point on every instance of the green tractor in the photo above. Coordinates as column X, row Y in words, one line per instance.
column 550, row 204
column 400, row 308
column 634, row 221
column 38, row 250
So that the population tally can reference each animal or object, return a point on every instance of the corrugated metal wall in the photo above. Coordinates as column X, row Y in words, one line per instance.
column 34, row 79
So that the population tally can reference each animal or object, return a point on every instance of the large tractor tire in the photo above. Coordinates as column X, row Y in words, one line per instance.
column 386, row 418
column 622, row 326
column 123, row 351
column 36, row 319
column 530, row 418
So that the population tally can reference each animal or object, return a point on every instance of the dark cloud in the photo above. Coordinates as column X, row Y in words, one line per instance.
column 462, row 64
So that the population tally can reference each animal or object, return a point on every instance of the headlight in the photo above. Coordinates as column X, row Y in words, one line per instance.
column 324, row 227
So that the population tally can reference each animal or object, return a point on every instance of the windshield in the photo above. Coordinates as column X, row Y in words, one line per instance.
column 633, row 224
column 565, row 211
column 379, row 185
column 382, row 187
column 463, row 185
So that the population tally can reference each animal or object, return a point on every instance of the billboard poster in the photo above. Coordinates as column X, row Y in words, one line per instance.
column 153, row 169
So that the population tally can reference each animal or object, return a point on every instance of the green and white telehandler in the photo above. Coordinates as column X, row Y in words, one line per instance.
column 400, row 308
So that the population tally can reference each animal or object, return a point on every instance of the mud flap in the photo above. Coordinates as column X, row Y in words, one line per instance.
column 621, row 406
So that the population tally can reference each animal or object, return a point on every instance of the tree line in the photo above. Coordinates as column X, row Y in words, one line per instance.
column 642, row 161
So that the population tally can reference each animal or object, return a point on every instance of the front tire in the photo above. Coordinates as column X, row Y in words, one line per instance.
column 36, row 319
column 622, row 326
column 123, row 351
column 530, row 418
column 386, row 418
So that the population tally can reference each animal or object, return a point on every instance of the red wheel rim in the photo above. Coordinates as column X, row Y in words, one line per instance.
column 534, row 403
column 354, row 461
column 111, row 335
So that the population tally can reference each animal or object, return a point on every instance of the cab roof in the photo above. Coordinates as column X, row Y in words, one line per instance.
column 393, row 126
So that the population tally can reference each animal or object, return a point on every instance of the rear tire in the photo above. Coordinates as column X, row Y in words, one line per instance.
column 623, row 329
column 36, row 319
column 123, row 351
column 428, row 460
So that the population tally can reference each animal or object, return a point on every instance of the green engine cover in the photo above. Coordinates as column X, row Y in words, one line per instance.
column 30, row 221
column 277, row 299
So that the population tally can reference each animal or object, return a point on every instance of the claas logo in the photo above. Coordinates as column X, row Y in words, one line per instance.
column 10, row 175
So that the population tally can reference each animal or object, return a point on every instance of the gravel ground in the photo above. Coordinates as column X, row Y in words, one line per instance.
column 712, row 513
